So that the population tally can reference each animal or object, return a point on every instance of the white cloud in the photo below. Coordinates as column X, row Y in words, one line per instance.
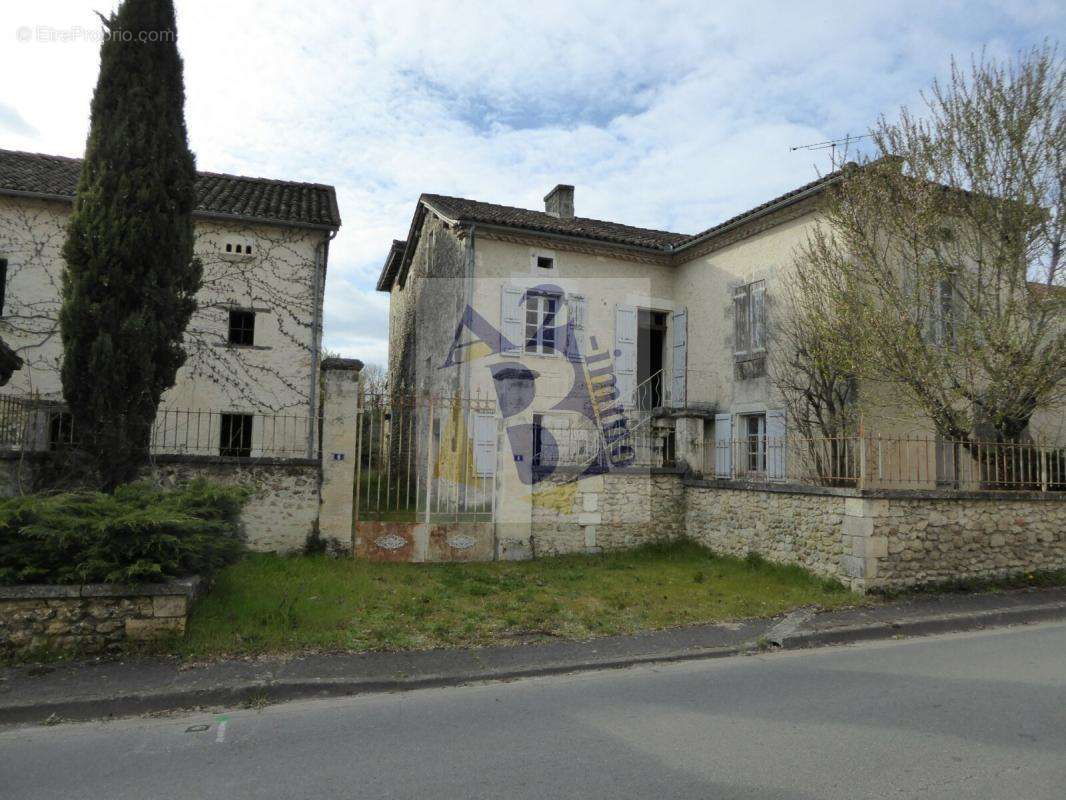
column 671, row 115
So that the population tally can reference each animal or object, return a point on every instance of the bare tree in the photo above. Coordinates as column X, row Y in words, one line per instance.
column 939, row 270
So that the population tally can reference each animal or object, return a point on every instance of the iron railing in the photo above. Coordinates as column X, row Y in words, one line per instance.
column 891, row 462
column 29, row 424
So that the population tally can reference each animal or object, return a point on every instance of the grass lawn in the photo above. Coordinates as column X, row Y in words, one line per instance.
column 274, row 604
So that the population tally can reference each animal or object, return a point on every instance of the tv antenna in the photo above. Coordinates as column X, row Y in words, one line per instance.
column 831, row 145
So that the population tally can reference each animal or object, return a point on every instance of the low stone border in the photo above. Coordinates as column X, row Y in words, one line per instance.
column 91, row 618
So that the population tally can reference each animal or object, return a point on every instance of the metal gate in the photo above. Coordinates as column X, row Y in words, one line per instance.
column 425, row 458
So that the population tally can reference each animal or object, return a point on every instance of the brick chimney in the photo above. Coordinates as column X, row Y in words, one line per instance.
column 559, row 202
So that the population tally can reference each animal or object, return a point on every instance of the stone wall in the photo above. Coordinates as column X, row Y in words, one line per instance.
column 605, row 512
column 791, row 527
column 281, row 513
column 901, row 542
column 90, row 619
column 882, row 540
column 284, row 507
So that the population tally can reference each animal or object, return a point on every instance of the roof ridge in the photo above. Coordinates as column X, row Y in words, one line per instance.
column 545, row 213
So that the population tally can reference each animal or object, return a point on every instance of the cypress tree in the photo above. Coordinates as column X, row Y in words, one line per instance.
column 130, row 281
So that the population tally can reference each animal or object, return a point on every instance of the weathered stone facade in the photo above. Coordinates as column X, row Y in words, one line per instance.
column 90, row 619
column 606, row 512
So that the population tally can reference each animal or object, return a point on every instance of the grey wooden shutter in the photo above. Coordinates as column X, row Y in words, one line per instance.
column 625, row 343
column 679, row 364
column 741, row 320
column 758, row 316
column 512, row 319
column 723, row 445
column 775, row 445
column 577, row 306
column 484, row 444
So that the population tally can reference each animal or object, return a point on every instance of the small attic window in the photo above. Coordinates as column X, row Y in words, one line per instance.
column 545, row 262
column 237, row 248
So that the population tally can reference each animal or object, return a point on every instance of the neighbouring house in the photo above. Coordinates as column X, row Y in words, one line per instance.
column 250, row 384
column 254, row 403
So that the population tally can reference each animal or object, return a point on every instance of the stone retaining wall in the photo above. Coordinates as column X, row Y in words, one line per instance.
column 882, row 540
column 90, row 619
column 605, row 512
column 785, row 527
column 901, row 542
column 283, row 509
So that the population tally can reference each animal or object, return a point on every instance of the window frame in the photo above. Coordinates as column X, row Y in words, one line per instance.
column 236, row 447
column 249, row 331
column 539, row 327
column 754, row 453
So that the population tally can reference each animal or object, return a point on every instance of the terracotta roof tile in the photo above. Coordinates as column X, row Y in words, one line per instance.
column 256, row 199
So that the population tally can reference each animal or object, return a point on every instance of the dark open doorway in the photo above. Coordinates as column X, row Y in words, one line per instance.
column 651, row 340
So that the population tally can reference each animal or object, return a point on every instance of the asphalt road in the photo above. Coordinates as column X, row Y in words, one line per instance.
column 979, row 715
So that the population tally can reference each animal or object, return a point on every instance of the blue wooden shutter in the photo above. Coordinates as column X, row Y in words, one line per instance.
column 723, row 445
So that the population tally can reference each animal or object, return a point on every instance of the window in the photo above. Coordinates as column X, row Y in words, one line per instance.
column 545, row 262
column 241, row 327
column 749, row 320
column 753, row 454
column 540, row 323
column 942, row 314
column 60, row 430
column 235, row 436
column 238, row 248
column 3, row 284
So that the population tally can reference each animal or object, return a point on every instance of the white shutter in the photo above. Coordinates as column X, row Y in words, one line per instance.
column 723, row 445
column 679, row 365
column 484, row 444
column 512, row 319
column 775, row 445
column 625, row 361
column 578, row 312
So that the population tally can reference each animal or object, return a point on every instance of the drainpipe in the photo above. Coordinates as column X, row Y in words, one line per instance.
column 321, row 257
column 469, row 300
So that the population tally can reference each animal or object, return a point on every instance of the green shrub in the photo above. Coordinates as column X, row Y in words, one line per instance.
column 139, row 533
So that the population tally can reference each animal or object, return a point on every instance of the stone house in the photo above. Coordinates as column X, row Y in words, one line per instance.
column 254, row 344
column 247, row 405
column 685, row 318
column 591, row 334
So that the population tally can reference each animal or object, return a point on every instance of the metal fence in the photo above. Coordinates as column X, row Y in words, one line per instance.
column 425, row 458
column 887, row 462
column 30, row 424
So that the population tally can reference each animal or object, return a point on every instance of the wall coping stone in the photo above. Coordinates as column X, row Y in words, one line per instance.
column 185, row 587
column 873, row 494
column 346, row 364
column 568, row 470
column 185, row 458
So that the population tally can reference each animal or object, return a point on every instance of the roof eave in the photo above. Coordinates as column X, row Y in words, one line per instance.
column 217, row 215
column 818, row 188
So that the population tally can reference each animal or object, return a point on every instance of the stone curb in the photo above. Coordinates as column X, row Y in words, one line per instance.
column 256, row 692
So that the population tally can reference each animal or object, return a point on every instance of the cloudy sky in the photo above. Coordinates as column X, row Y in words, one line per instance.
column 670, row 115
